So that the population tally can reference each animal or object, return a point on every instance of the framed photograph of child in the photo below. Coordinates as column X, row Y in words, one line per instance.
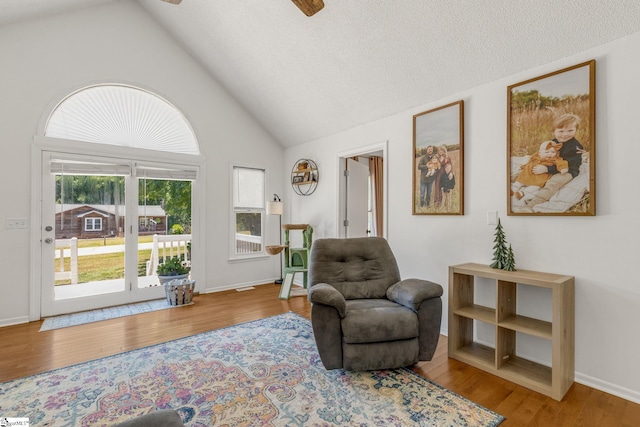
column 438, row 161
column 551, row 144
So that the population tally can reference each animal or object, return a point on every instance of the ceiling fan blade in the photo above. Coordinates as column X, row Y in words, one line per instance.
column 309, row 7
column 173, row 1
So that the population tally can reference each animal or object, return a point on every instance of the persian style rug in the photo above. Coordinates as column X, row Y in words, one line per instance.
column 261, row 373
column 103, row 314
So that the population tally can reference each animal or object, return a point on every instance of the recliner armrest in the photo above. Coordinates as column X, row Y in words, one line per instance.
column 412, row 292
column 323, row 293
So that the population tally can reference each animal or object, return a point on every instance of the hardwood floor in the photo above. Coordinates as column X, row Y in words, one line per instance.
column 26, row 351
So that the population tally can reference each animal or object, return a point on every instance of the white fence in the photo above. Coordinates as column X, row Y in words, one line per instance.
column 165, row 247
column 71, row 245
column 246, row 243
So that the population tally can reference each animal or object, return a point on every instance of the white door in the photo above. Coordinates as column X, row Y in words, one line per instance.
column 357, row 199
column 96, row 232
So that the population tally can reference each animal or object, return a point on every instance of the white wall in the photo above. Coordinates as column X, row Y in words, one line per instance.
column 601, row 251
column 44, row 60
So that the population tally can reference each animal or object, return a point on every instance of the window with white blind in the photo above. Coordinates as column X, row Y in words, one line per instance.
column 248, row 211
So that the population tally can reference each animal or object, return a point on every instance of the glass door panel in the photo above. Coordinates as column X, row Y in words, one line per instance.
column 106, row 224
column 164, row 225
column 83, row 222
column 89, row 225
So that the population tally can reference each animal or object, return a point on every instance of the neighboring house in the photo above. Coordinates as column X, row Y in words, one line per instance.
column 87, row 221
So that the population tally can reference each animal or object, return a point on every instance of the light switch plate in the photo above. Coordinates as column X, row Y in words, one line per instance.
column 492, row 217
column 15, row 223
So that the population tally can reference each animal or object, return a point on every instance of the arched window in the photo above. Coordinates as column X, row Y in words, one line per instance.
column 124, row 116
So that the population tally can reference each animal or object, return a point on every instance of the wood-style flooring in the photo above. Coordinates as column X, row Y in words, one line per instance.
column 26, row 351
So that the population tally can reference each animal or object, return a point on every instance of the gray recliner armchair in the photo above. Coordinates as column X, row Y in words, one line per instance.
column 363, row 316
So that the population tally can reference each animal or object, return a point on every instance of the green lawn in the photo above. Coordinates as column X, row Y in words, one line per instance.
column 109, row 241
column 103, row 267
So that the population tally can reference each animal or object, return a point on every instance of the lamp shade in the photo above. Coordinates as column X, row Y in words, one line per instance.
column 275, row 208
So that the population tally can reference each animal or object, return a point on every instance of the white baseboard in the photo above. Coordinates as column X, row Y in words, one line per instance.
column 14, row 321
column 233, row 286
column 607, row 387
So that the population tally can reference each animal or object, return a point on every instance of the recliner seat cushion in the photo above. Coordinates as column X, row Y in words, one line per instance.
column 377, row 320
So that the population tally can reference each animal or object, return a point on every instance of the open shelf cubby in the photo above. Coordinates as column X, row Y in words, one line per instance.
column 502, row 360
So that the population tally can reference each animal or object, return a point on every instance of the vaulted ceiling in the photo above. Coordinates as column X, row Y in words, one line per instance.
column 356, row 61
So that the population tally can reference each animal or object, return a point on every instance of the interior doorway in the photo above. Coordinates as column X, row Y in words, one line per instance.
column 362, row 192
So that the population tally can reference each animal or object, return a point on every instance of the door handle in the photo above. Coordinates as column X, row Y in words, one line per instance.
column 48, row 240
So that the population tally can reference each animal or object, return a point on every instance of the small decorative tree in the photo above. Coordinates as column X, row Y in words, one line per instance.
column 510, row 264
column 502, row 257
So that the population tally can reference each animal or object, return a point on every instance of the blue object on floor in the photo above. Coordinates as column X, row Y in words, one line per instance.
column 102, row 314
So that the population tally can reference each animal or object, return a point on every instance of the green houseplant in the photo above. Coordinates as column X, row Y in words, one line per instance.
column 172, row 268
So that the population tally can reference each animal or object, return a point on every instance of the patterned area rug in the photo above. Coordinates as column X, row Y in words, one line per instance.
column 262, row 373
column 103, row 314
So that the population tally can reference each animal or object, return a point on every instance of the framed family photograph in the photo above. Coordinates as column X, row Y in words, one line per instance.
column 551, row 144
column 438, row 161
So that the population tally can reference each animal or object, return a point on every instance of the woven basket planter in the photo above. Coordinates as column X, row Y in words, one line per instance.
column 179, row 291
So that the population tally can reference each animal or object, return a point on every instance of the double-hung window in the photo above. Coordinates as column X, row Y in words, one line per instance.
column 93, row 224
column 248, row 211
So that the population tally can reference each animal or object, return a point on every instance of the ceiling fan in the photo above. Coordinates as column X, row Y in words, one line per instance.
column 308, row 7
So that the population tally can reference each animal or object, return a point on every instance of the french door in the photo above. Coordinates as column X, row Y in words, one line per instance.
column 99, row 218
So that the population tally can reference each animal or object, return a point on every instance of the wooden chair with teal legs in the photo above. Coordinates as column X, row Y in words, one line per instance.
column 296, row 260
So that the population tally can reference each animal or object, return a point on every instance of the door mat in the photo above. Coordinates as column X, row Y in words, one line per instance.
column 103, row 314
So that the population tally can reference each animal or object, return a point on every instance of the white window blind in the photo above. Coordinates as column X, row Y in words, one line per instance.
column 124, row 116
column 74, row 166
column 248, row 188
column 165, row 172
column 60, row 166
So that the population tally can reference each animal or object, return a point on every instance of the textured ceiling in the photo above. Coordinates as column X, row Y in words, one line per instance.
column 357, row 61
column 12, row 11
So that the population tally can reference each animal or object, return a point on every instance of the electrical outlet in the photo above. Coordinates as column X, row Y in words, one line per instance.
column 15, row 223
column 492, row 217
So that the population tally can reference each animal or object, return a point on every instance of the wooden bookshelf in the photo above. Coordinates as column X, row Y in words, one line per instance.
column 502, row 360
